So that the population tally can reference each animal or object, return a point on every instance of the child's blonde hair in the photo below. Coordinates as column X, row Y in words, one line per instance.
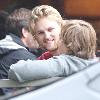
column 80, row 37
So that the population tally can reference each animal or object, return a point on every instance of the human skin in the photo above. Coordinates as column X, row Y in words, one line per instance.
column 47, row 33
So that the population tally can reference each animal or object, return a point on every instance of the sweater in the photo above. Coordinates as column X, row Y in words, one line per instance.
column 63, row 65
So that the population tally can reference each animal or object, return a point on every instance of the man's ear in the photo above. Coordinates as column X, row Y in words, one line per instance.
column 24, row 32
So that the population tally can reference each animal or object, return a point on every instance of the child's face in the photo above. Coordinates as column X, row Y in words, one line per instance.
column 47, row 33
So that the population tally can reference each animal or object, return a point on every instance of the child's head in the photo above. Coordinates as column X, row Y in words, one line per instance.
column 80, row 38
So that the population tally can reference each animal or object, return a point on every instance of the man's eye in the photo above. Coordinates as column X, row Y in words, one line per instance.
column 50, row 29
column 40, row 32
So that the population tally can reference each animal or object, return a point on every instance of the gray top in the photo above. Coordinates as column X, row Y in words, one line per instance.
column 62, row 65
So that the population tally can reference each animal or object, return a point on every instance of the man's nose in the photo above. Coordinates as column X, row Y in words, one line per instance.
column 47, row 35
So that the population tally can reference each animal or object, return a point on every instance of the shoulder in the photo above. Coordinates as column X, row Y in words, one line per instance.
column 22, row 54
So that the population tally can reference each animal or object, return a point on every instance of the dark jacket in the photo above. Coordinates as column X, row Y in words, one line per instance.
column 12, row 50
column 98, row 53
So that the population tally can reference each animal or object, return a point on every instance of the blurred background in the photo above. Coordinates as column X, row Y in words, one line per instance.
column 70, row 9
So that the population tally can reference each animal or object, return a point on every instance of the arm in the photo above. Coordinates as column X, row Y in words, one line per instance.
column 37, row 69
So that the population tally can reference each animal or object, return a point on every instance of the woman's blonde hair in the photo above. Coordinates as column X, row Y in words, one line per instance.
column 41, row 11
column 80, row 38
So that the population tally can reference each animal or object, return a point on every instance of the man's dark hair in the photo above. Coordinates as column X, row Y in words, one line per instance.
column 17, row 20
column 3, row 17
